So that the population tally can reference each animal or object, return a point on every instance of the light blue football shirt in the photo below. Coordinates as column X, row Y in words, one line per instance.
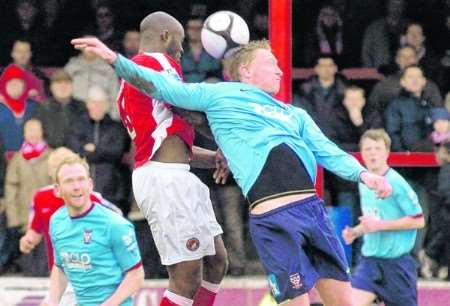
column 95, row 251
column 403, row 202
column 246, row 123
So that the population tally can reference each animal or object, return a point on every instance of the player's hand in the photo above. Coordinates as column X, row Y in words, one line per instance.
column 377, row 183
column 221, row 173
column 349, row 235
column 94, row 45
column 26, row 245
column 370, row 224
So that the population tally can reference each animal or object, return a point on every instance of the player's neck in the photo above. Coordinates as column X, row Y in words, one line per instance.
column 78, row 212
column 380, row 170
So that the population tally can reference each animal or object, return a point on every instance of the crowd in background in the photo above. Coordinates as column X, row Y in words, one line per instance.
column 51, row 96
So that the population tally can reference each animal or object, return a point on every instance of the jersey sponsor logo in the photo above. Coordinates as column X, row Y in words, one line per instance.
column 296, row 281
column 87, row 236
column 74, row 260
column 274, row 284
column 192, row 244
column 271, row 111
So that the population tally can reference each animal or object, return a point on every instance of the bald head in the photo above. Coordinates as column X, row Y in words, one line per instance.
column 160, row 32
column 160, row 21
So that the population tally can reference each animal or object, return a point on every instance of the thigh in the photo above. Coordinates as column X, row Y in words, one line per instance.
column 324, row 249
column 185, row 277
column 214, row 266
column 179, row 212
column 279, row 247
column 334, row 292
column 362, row 297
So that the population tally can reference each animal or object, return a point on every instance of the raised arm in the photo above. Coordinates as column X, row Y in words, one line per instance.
column 158, row 85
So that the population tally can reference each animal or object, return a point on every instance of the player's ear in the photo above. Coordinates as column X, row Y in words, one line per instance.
column 244, row 72
column 91, row 185
column 58, row 192
column 165, row 35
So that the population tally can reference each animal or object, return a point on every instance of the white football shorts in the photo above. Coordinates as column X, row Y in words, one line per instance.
column 178, row 209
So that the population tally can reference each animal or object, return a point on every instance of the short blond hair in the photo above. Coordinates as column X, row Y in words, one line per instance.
column 55, row 158
column 376, row 134
column 71, row 160
column 243, row 56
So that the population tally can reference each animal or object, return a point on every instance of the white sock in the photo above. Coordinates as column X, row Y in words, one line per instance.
column 180, row 300
column 210, row 286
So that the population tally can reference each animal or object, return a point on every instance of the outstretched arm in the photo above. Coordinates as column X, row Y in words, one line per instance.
column 329, row 155
column 194, row 96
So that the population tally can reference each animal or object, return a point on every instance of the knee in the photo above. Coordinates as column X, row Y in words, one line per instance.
column 218, row 264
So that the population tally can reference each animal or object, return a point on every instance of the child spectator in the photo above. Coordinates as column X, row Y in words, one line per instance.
column 15, row 107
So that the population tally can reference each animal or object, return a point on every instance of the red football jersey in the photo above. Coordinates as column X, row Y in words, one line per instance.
column 148, row 120
column 45, row 203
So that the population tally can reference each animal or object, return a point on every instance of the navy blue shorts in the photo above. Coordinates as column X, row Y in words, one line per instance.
column 297, row 245
column 394, row 281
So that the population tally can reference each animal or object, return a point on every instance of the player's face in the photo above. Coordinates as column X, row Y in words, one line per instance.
column 175, row 46
column 374, row 154
column 74, row 186
column 264, row 72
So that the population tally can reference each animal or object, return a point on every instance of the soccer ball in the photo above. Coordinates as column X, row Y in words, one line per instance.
column 223, row 32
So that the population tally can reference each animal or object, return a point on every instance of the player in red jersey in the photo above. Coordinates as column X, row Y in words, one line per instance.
column 173, row 200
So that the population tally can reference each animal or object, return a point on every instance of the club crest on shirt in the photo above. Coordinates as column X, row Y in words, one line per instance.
column 295, row 280
column 87, row 236
column 192, row 244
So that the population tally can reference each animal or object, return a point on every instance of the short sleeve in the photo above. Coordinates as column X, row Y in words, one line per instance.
column 407, row 198
column 124, row 245
column 35, row 217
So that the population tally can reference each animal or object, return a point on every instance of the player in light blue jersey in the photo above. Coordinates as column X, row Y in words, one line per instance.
column 94, row 247
column 389, row 226
column 272, row 150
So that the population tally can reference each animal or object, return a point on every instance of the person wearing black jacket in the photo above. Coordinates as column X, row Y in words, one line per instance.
column 103, row 142
column 59, row 113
